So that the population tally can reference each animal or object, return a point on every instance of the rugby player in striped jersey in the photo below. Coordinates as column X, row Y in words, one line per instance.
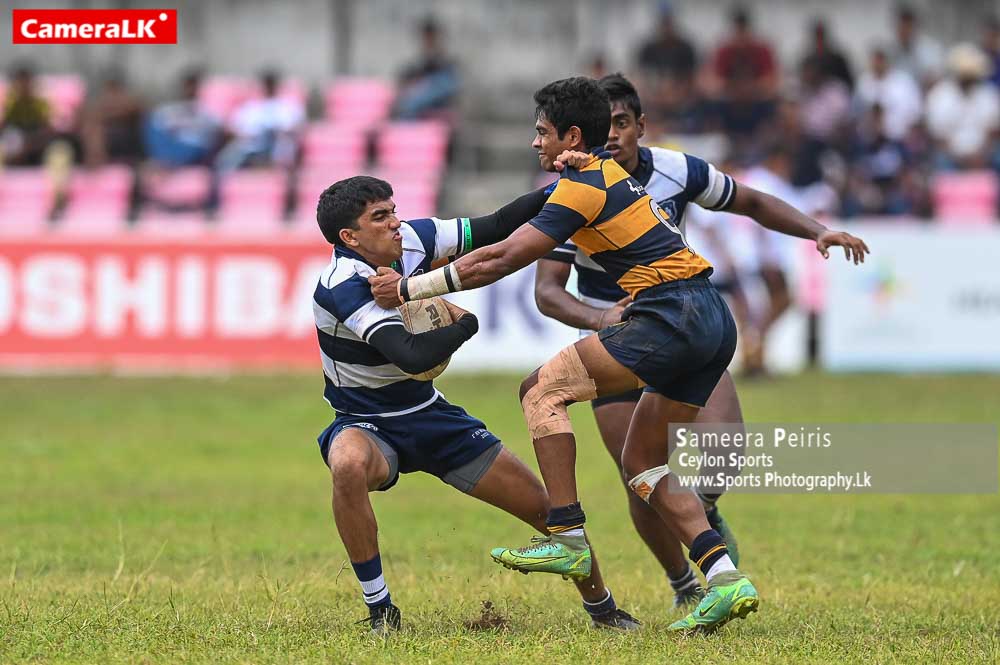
column 387, row 421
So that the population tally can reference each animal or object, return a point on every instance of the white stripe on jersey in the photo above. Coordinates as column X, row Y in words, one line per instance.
column 348, row 375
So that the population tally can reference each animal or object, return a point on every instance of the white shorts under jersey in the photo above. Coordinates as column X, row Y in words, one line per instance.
column 359, row 379
column 674, row 179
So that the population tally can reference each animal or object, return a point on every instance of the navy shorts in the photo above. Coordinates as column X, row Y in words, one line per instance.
column 679, row 339
column 440, row 439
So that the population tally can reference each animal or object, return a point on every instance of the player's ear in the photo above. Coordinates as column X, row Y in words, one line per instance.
column 575, row 137
column 347, row 236
column 640, row 125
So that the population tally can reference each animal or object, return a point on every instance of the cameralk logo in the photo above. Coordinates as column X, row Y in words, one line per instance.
column 94, row 26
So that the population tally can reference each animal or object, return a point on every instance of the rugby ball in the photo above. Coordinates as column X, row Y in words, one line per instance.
column 422, row 315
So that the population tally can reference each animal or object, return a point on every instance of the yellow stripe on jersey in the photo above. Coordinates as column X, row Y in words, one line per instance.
column 623, row 229
column 679, row 265
column 581, row 198
column 613, row 175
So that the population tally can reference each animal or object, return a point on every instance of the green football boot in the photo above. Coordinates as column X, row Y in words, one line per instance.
column 717, row 522
column 568, row 556
column 730, row 596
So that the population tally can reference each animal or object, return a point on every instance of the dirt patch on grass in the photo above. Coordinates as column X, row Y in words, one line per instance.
column 489, row 619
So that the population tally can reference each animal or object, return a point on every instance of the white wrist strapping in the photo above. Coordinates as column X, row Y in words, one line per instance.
column 434, row 283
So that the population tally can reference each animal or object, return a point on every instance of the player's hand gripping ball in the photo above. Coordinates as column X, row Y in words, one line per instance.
column 419, row 316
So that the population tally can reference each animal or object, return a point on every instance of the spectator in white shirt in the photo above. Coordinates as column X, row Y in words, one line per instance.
column 895, row 91
column 267, row 130
column 963, row 111
column 916, row 52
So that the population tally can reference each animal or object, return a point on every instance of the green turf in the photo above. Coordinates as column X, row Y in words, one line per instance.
column 167, row 520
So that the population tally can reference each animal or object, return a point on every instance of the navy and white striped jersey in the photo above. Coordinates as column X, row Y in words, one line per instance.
column 359, row 379
column 674, row 179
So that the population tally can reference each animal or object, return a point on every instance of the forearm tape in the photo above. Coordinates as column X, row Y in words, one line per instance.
column 434, row 283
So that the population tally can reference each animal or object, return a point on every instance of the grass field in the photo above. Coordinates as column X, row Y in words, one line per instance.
column 168, row 520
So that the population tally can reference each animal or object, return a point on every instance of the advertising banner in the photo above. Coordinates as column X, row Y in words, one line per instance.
column 928, row 298
column 150, row 304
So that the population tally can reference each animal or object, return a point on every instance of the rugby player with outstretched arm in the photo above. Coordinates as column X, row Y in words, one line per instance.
column 675, row 180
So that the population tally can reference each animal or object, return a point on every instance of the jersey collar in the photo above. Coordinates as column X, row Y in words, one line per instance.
column 348, row 253
column 644, row 171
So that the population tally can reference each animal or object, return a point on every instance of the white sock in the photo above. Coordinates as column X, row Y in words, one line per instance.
column 723, row 565
column 571, row 532
column 374, row 590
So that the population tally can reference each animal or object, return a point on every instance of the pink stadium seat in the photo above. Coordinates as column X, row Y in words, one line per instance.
column 411, row 145
column 154, row 222
column 181, row 187
column 98, row 201
column 306, row 229
column 338, row 146
column 65, row 94
column 358, row 101
column 252, row 202
column 414, row 199
column 185, row 186
column 220, row 95
column 966, row 198
column 25, row 201
column 311, row 184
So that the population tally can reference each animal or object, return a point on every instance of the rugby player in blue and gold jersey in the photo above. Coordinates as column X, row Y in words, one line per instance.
column 675, row 180
column 676, row 343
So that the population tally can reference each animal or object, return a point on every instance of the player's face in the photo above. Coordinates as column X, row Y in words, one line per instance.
column 377, row 237
column 623, row 139
column 548, row 145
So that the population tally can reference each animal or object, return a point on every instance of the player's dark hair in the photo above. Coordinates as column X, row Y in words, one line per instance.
column 620, row 90
column 342, row 203
column 577, row 101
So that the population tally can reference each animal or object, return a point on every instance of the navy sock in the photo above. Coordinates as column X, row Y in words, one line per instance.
column 565, row 518
column 373, row 586
column 707, row 548
column 602, row 606
column 685, row 581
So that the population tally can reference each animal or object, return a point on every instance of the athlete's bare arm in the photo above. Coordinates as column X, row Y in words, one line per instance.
column 479, row 268
column 773, row 213
column 555, row 302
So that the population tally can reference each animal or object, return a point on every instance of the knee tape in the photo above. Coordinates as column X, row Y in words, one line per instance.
column 562, row 380
column 644, row 483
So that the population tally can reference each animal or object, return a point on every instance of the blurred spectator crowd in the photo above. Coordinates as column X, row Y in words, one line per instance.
column 245, row 152
column 914, row 130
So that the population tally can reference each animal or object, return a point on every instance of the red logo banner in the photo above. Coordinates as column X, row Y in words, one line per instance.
column 94, row 26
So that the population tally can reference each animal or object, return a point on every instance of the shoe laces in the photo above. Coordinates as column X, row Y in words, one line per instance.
column 538, row 543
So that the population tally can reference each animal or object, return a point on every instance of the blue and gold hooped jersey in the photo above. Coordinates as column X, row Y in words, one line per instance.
column 612, row 219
